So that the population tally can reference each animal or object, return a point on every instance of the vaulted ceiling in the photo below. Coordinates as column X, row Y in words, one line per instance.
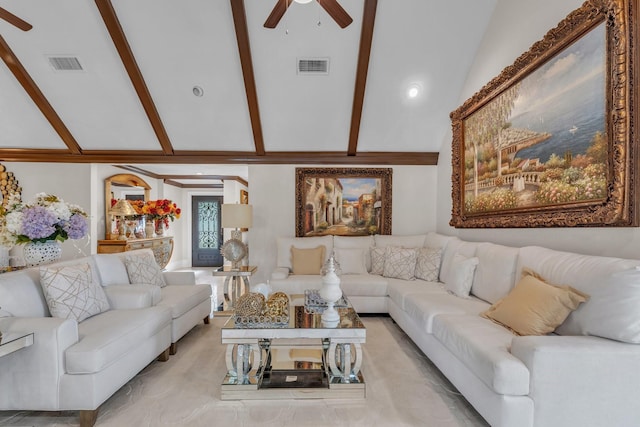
column 144, row 63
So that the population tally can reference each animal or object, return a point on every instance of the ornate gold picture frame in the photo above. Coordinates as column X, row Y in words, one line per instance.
column 343, row 201
column 551, row 141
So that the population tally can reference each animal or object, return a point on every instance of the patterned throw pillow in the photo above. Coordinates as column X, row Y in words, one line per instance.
column 71, row 293
column 377, row 260
column 428, row 264
column 400, row 263
column 143, row 268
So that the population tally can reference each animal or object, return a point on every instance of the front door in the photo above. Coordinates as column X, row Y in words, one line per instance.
column 207, row 232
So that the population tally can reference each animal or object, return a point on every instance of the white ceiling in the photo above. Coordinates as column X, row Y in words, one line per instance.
column 181, row 44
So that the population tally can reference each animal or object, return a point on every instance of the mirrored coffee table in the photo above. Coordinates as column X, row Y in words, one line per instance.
column 300, row 359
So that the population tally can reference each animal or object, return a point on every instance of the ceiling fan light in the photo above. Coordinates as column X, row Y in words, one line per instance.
column 303, row 1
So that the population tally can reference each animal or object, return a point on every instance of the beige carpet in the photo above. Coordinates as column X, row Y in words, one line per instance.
column 403, row 389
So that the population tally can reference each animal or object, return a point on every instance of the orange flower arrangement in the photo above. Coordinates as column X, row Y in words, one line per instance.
column 161, row 209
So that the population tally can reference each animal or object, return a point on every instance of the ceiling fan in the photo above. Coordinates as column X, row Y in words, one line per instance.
column 14, row 20
column 332, row 7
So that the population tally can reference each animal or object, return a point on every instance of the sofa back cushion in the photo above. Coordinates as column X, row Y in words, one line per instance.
column 21, row 294
column 284, row 245
column 111, row 269
column 586, row 273
column 496, row 271
column 356, row 242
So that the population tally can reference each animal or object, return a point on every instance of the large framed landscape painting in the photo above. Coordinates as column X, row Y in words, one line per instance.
column 343, row 201
column 551, row 141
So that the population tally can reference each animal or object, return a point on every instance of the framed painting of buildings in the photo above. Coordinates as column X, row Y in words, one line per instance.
column 550, row 142
column 343, row 201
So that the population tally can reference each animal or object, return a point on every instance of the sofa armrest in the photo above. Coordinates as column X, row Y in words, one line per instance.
column 122, row 297
column 30, row 377
column 574, row 378
column 179, row 277
column 280, row 273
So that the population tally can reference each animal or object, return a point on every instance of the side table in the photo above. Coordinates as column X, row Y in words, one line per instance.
column 14, row 341
column 236, row 282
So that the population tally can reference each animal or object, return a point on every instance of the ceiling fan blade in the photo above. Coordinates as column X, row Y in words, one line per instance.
column 336, row 11
column 277, row 13
column 14, row 20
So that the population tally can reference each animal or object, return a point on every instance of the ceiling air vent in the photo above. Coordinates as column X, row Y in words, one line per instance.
column 65, row 63
column 313, row 66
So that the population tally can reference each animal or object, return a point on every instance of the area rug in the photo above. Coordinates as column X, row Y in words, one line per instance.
column 403, row 389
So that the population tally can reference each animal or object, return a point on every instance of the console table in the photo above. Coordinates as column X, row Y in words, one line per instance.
column 162, row 247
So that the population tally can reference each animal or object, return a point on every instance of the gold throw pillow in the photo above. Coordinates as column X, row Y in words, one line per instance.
column 307, row 261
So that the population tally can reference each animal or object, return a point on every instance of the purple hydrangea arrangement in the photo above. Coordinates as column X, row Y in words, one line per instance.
column 44, row 218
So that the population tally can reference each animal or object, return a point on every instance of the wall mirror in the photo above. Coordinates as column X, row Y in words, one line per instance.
column 122, row 186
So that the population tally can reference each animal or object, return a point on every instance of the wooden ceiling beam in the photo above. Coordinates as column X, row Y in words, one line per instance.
column 34, row 92
column 366, row 39
column 116, row 32
column 173, row 176
column 244, row 49
column 223, row 157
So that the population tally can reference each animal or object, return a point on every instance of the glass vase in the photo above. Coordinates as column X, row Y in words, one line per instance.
column 149, row 229
column 38, row 253
column 159, row 227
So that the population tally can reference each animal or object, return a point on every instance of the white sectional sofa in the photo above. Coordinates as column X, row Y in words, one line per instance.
column 585, row 373
column 75, row 363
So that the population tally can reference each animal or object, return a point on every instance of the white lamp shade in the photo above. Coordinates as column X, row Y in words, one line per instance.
column 237, row 216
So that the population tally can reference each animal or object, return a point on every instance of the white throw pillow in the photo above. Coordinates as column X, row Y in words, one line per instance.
column 351, row 260
column 461, row 275
column 400, row 263
column 377, row 260
column 143, row 268
column 428, row 264
column 71, row 293
column 611, row 312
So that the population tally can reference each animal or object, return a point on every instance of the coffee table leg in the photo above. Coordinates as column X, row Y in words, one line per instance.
column 238, row 358
column 345, row 368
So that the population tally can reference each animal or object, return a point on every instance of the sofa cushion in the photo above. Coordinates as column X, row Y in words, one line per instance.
column 400, row 263
column 284, row 244
column 351, row 242
column 143, row 268
column 297, row 283
column 612, row 310
column 535, row 307
column 181, row 299
column 368, row 285
column 71, row 292
column 428, row 264
column 485, row 348
column 455, row 246
column 436, row 240
column 410, row 241
column 378, row 256
column 111, row 269
column 495, row 274
column 401, row 290
column 462, row 272
column 352, row 260
column 21, row 294
column 107, row 337
column 423, row 307
column 307, row 261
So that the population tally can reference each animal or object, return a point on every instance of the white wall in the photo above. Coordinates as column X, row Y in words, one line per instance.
column 272, row 194
column 515, row 26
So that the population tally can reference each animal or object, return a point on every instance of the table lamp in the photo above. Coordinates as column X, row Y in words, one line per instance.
column 236, row 216
column 121, row 209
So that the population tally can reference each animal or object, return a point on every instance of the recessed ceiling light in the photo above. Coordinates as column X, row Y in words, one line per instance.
column 413, row 91
column 198, row 91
